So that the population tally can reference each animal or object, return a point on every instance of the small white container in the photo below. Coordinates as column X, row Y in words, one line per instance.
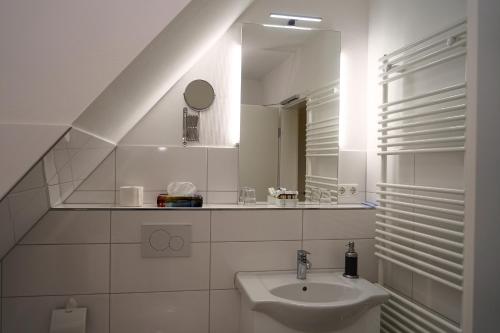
column 131, row 196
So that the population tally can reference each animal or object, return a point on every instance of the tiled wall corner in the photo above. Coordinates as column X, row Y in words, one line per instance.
column 95, row 255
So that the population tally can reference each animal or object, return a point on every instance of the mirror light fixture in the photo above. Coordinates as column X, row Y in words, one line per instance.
column 286, row 27
column 296, row 17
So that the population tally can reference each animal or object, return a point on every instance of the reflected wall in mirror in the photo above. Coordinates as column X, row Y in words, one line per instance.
column 290, row 111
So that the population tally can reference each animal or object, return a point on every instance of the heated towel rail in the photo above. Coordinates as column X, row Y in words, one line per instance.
column 322, row 146
column 421, row 228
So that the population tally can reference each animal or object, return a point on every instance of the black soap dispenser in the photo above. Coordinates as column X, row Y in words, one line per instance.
column 351, row 262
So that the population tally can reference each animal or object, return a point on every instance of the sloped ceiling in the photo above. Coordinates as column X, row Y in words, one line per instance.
column 159, row 66
column 56, row 58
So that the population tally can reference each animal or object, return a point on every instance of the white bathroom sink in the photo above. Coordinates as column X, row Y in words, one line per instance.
column 324, row 302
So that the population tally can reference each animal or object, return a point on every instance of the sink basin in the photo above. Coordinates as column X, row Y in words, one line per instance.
column 325, row 302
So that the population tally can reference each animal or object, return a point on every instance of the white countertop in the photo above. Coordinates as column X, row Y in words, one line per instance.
column 258, row 206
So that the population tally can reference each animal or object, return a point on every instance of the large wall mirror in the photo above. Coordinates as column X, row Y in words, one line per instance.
column 290, row 111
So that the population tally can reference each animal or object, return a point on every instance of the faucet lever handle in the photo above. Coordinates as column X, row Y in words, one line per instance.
column 302, row 254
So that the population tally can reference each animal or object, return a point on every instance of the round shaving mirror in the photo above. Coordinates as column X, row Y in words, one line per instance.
column 199, row 95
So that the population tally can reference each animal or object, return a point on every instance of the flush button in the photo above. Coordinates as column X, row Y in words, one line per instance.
column 176, row 243
column 159, row 240
column 165, row 240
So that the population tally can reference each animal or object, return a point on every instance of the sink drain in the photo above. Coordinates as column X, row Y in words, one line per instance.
column 304, row 288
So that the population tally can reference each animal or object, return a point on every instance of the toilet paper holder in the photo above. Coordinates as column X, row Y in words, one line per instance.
column 71, row 319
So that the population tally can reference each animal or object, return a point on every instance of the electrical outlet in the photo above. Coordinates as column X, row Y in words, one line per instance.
column 341, row 190
column 347, row 190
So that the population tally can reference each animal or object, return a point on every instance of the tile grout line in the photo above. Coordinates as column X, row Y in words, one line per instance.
column 209, row 269
column 109, row 274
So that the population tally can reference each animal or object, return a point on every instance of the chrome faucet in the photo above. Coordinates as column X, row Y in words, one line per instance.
column 303, row 265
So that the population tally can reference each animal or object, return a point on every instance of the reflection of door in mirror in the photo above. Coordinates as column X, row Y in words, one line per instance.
column 293, row 148
column 258, row 164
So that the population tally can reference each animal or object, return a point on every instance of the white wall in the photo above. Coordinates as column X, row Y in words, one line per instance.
column 315, row 64
column 252, row 92
column 482, row 295
column 219, row 124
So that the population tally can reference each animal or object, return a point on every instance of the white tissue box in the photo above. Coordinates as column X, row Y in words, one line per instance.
column 131, row 196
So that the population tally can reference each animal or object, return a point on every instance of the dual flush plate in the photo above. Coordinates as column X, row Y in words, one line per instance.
column 165, row 240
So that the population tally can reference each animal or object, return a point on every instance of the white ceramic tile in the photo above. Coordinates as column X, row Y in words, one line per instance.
column 357, row 198
column 222, row 169
column 339, row 224
column 32, row 314
column 256, row 225
column 84, row 197
column 222, row 197
column 179, row 312
column 63, row 168
column 49, row 165
column 75, row 139
column 372, row 170
column 31, row 270
column 224, row 311
column 103, row 177
column 440, row 170
column 400, row 169
column 438, row 297
column 397, row 278
column 132, row 273
column 231, row 257
column 126, row 225
column 26, row 208
column 65, row 190
column 86, row 160
column 6, row 229
column 71, row 226
column 154, row 169
column 331, row 254
column 352, row 168
column 33, row 179
column 54, row 195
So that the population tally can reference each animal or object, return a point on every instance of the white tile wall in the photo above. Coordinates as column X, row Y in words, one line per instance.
column 56, row 270
column 438, row 297
column 126, row 225
column 32, row 314
column 179, row 312
column 26, row 208
column 132, row 273
column 352, row 170
column 6, row 228
column 256, row 225
column 231, row 257
column 222, row 169
column 222, row 197
column 70, row 227
column 103, row 177
column 330, row 254
column 97, row 253
column 34, row 179
column 224, row 311
column 339, row 224
column 154, row 169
